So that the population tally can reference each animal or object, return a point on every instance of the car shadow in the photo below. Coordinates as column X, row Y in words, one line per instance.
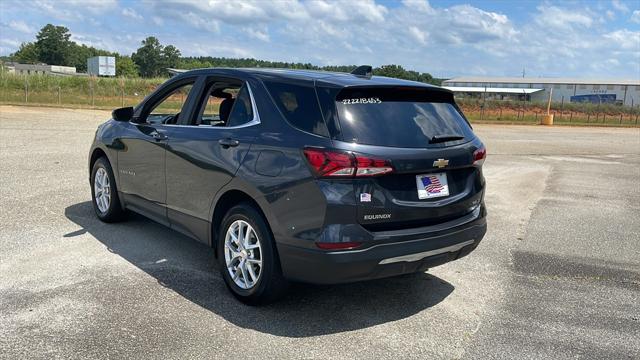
column 188, row 268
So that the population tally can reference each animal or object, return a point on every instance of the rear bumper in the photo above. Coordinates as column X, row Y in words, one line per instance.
column 388, row 258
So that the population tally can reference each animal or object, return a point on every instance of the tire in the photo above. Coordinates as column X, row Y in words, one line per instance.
column 261, row 281
column 107, row 205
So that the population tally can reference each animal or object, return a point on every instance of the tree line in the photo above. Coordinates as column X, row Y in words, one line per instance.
column 53, row 45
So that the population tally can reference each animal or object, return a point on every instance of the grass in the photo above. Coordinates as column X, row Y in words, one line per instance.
column 516, row 112
column 111, row 93
column 565, row 118
column 77, row 92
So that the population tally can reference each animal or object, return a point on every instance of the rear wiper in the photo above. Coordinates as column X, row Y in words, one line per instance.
column 444, row 138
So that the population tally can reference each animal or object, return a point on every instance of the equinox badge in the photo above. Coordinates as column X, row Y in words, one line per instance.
column 440, row 163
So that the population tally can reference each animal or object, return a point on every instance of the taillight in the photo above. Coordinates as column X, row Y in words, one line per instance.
column 332, row 163
column 371, row 167
column 479, row 156
column 338, row 245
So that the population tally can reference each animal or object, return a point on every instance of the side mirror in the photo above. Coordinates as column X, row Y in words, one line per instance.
column 122, row 114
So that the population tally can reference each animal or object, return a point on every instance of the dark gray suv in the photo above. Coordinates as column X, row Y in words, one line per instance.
column 295, row 175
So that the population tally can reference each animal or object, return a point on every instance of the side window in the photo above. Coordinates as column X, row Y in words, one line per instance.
column 225, row 104
column 299, row 105
column 167, row 110
column 241, row 111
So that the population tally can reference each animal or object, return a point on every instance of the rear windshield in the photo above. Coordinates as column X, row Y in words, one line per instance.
column 400, row 117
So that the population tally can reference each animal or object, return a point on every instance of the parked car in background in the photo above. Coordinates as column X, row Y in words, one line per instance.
column 294, row 175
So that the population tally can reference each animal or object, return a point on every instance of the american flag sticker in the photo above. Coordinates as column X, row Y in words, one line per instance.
column 365, row 197
column 432, row 185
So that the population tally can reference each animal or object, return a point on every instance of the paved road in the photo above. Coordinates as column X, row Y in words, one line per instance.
column 557, row 276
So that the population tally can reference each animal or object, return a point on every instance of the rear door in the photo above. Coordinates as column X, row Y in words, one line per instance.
column 430, row 146
column 206, row 149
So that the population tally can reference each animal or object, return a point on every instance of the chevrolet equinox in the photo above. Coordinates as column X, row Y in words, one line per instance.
column 295, row 175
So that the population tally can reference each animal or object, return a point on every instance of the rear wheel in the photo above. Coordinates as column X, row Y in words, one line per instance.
column 248, row 258
column 106, row 202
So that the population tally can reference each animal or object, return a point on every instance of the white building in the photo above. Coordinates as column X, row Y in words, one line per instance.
column 34, row 69
column 625, row 92
column 101, row 66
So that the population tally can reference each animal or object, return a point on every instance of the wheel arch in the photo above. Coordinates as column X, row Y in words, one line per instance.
column 96, row 154
column 100, row 151
column 226, row 201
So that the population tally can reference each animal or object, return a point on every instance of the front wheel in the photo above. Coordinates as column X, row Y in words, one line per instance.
column 106, row 202
column 248, row 258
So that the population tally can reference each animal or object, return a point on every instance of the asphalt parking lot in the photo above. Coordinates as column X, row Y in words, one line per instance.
column 557, row 276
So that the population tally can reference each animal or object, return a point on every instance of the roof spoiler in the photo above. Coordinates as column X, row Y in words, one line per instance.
column 364, row 71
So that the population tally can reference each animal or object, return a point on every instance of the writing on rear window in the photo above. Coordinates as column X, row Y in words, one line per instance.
column 372, row 100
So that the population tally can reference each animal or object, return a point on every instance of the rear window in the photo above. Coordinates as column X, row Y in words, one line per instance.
column 399, row 117
column 299, row 105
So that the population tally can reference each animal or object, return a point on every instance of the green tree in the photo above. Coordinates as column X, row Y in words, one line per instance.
column 395, row 71
column 149, row 57
column 80, row 54
column 126, row 67
column 26, row 54
column 171, row 56
column 53, row 45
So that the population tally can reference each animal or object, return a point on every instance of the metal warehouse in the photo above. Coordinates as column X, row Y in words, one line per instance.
column 625, row 92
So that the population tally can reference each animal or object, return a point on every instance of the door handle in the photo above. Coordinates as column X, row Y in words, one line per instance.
column 228, row 142
column 158, row 136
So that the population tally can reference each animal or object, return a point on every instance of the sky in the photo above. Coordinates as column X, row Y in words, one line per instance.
column 586, row 39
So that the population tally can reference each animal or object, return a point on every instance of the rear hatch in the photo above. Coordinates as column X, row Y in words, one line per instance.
column 435, row 157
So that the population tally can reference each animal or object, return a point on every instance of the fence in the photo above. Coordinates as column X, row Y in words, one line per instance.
column 82, row 92
column 110, row 93
column 569, row 113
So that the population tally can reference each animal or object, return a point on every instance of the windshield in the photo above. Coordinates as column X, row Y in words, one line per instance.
column 400, row 117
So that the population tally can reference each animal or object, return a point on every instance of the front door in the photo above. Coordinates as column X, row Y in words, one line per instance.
column 141, row 162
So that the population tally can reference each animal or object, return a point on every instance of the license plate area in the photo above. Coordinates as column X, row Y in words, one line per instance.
column 432, row 185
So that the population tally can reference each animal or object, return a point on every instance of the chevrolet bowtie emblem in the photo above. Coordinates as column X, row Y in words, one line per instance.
column 440, row 163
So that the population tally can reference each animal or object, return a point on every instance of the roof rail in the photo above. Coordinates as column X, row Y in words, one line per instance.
column 364, row 71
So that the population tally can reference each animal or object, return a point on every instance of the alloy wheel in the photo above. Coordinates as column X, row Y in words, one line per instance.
column 242, row 254
column 102, row 190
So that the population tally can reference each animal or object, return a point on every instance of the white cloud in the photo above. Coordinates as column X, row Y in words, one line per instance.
column 199, row 22
column 74, row 9
column 612, row 62
column 363, row 10
column 474, row 24
column 635, row 17
column 422, row 6
column 418, row 35
column 620, row 6
column 239, row 12
column 20, row 26
column 129, row 12
column 13, row 43
column 122, row 44
column 215, row 49
column 559, row 18
column 157, row 20
column 95, row 6
column 262, row 35
column 625, row 39
column 263, row 12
